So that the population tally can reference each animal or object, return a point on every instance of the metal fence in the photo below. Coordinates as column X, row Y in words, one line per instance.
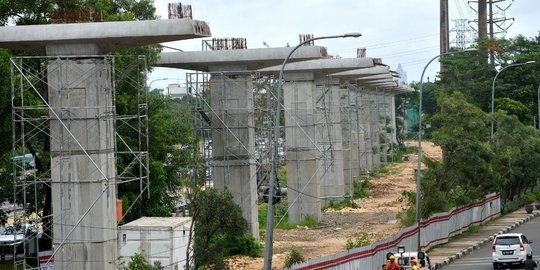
column 435, row 230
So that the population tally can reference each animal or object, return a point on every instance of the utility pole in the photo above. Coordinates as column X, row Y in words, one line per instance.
column 482, row 19
column 443, row 35
column 491, row 32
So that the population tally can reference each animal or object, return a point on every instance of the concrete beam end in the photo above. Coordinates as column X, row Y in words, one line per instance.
column 107, row 36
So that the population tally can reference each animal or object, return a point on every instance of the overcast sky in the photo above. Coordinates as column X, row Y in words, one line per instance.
column 402, row 32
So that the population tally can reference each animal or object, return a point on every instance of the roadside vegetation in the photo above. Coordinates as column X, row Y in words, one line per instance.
column 457, row 117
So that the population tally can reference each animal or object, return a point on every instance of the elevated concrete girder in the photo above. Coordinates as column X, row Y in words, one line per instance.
column 361, row 73
column 104, row 37
column 321, row 67
column 249, row 59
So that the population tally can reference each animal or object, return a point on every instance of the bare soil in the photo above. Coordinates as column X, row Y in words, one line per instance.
column 376, row 215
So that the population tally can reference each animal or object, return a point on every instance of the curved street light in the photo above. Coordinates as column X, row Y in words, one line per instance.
column 152, row 81
column 270, row 216
column 493, row 87
column 418, row 170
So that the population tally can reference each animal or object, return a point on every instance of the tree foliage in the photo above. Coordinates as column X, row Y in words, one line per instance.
column 218, row 227
column 473, row 162
column 138, row 262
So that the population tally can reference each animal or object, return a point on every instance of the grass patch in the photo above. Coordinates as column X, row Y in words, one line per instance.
column 341, row 205
column 361, row 189
column 282, row 176
column 281, row 214
column 400, row 152
column 361, row 240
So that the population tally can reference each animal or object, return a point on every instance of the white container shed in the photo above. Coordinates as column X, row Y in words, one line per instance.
column 163, row 239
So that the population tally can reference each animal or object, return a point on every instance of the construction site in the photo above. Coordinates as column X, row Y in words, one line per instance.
column 337, row 125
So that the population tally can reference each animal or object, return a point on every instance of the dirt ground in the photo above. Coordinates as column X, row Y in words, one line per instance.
column 376, row 215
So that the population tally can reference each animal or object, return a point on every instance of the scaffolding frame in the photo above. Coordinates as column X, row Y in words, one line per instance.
column 31, row 119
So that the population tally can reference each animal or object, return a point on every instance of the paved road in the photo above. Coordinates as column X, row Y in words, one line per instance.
column 480, row 259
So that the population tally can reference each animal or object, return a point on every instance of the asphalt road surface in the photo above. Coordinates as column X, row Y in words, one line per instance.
column 480, row 259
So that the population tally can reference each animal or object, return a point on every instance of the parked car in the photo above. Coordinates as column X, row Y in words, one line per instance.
column 510, row 249
column 404, row 259
column 14, row 236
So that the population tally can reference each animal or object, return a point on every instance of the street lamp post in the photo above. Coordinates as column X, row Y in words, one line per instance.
column 493, row 86
column 270, row 216
column 418, row 170
column 152, row 81
column 538, row 105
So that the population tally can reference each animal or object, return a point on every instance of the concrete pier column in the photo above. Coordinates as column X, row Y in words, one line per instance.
column 384, row 121
column 365, row 134
column 302, row 156
column 83, row 181
column 233, row 139
column 329, row 138
column 354, row 143
column 313, row 142
column 393, row 125
column 374, row 123
column 348, row 124
column 315, row 165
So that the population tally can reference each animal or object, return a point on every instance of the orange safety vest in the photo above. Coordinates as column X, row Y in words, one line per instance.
column 392, row 266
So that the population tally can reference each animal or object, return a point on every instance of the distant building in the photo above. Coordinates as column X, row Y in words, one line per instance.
column 175, row 91
column 402, row 74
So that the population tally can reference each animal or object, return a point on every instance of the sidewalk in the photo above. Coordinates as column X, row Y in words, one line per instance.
column 446, row 253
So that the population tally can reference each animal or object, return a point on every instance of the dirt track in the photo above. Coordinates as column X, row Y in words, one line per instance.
column 376, row 215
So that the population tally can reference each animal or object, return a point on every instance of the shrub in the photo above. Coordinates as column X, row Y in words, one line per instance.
column 242, row 245
column 340, row 205
column 361, row 240
column 407, row 218
column 294, row 257
column 361, row 189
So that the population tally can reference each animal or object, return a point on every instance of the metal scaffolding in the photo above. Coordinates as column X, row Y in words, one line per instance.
column 34, row 118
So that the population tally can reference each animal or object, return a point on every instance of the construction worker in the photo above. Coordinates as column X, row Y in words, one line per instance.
column 392, row 265
column 414, row 264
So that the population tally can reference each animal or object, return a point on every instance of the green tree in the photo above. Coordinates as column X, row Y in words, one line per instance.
column 515, row 164
column 216, row 220
column 173, row 146
column 514, row 107
column 462, row 132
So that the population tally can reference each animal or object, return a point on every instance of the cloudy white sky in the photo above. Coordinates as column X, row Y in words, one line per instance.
column 402, row 32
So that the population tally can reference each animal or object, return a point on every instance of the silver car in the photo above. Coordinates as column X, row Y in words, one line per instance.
column 510, row 249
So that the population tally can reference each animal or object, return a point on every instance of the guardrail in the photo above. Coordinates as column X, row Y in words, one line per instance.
column 435, row 230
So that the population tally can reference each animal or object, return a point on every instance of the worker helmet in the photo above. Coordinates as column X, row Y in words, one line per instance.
column 392, row 257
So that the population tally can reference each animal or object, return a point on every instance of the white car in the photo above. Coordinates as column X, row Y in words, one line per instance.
column 509, row 249
column 13, row 237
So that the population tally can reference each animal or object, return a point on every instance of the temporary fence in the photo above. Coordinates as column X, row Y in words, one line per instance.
column 434, row 231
